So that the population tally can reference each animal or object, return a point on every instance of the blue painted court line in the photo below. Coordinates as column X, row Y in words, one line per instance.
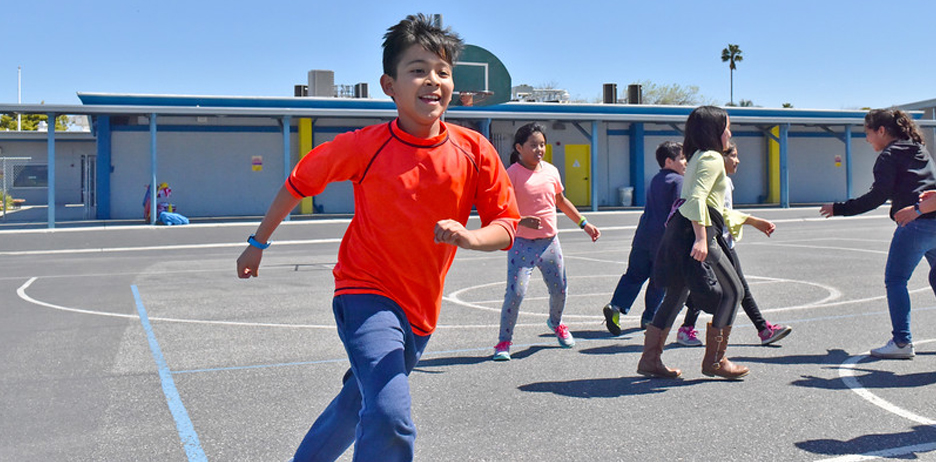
column 184, row 425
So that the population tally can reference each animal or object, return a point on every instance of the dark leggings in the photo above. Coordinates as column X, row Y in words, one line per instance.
column 747, row 302
column 678, row 291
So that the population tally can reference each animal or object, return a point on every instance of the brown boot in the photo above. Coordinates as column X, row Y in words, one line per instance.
column 715, row 363
column 650, row 363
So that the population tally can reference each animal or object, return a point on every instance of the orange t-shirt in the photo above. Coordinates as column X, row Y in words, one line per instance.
column 404, row 185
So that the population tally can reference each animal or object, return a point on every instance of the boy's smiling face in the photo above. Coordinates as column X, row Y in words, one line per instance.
column 422, row 90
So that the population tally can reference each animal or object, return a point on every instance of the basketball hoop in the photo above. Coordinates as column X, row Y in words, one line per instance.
column 471, row 98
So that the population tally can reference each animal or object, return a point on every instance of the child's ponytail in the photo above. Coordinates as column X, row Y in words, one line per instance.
column 907, row 127
column 897, row 123
column 514, row 156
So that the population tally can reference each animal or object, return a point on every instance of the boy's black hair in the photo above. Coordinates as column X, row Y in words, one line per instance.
column 668, row 150
column 419, row 29
column 704, row 129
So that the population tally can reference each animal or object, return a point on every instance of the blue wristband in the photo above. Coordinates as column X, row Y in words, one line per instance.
column 253, row 241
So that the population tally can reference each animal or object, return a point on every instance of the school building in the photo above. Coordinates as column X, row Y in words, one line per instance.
column 227, row 156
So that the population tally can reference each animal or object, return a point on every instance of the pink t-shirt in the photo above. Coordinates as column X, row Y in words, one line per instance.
column 536, row 196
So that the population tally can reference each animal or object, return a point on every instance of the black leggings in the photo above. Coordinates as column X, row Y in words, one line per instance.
column 747, row 301
column 678, row 290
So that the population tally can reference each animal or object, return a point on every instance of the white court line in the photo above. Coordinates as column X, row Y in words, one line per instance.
column 21, row 291
column 455, row 297
column 847, row 373
column 146, row 227
column 313, row 241
column 603, row 293
column 159, row 247
column 823, row 247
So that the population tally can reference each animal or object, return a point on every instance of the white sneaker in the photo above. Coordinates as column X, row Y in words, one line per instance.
column 892, row 351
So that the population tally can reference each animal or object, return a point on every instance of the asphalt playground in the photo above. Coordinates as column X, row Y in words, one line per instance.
column 138, row 343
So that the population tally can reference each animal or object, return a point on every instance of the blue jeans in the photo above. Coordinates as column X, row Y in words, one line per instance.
column 639, row 269
column 545, row 254
column 382, row 350
column 909, row 245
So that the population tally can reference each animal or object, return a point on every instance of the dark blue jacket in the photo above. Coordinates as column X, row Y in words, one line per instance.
column 663, row 191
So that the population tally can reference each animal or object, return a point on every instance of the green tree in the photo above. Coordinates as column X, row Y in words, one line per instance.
column 732, row 55
column 30, row 122
column 673, row 94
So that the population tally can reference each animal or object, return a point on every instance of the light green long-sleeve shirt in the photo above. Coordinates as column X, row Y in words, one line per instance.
column 704, row 185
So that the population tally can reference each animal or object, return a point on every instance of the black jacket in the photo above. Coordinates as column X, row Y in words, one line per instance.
column 902, row 171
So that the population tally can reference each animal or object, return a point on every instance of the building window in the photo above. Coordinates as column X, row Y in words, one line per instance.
column 31, row 176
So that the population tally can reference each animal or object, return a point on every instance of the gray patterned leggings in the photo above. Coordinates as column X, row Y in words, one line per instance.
column 545, row 254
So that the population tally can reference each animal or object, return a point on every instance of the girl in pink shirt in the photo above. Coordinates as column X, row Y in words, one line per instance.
column 538, row 188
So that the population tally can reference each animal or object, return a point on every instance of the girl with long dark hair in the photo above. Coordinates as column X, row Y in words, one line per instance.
column 904, row 173
column 692, row 256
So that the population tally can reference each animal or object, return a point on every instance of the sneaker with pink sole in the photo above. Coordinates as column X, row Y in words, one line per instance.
column 773, row 333
column 562, row 334
column 502, row 352
column 687, row 336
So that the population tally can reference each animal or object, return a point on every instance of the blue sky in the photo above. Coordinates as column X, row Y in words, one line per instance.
column 826, row 54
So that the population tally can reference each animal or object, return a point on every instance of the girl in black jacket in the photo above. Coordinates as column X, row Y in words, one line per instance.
column 902, row 172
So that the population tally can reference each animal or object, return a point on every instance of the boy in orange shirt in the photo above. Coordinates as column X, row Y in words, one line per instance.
column 415, row 181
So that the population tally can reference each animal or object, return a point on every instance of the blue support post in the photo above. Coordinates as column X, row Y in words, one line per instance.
column 594, row 166
column 784, row 166
column 51, row 170
column 153, row 185
column 848, row 161
column 637, row 165
column 485, row 126
column 103, row 167
column 287, row 122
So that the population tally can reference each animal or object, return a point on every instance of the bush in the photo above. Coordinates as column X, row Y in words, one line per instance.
column 6, row 199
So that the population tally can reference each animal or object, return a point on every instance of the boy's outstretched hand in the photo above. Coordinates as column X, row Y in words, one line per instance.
column 248, row 264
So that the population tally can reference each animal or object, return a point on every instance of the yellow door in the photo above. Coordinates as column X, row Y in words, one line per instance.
column 577, row 174
column 306, row 207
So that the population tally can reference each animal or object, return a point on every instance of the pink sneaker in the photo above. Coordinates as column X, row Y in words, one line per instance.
column 773, row 333
column 562, row 334
column 686, row 335
column 502, row 351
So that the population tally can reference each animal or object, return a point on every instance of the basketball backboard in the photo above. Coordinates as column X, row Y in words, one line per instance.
column 480, row 78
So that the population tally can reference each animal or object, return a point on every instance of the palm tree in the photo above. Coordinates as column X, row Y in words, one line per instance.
column 732, row 54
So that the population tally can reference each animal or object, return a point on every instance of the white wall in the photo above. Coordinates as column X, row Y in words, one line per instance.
column 209, row 173
column 68, row 152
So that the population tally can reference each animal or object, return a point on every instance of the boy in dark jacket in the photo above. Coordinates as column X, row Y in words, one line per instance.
column 663, row 191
